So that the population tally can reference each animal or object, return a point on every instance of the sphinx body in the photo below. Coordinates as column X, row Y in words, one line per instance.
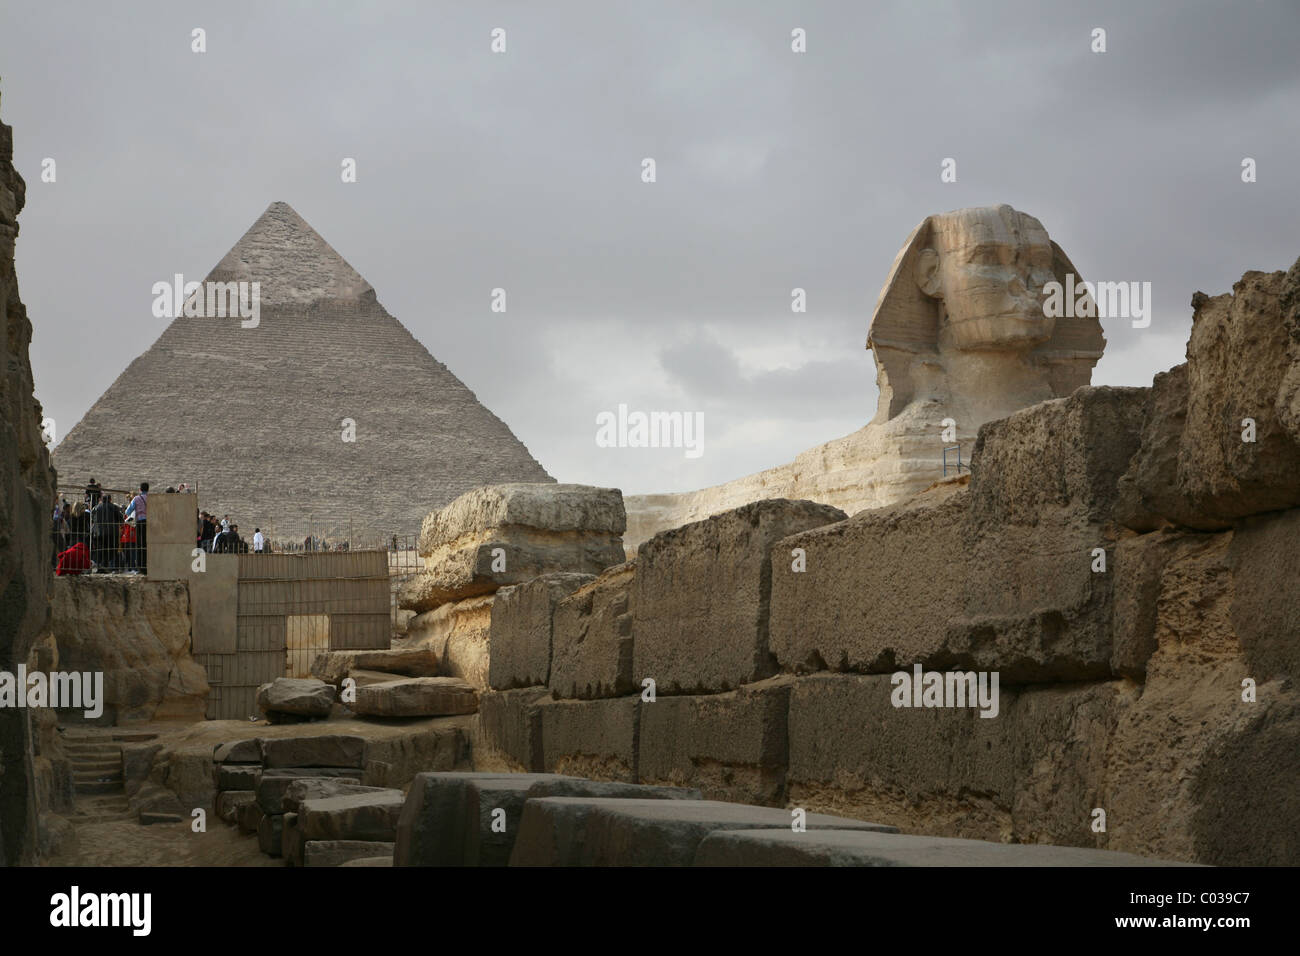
column 959, row 332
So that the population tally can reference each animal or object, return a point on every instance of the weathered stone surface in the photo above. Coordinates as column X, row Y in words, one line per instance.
column 238, row 751
column 521, row 634
column 306, row 697
column 325, row 750
column 1243, row 362
column 702, row 597
column 876, row 591
column 137, row 632
column 137, row 764
column 459, row 633
column 27, row 489
column 229, row 802
column 237, row 776
column 858, row 848
column 1195, row 771
column 291, row 841
column 609, row 789
column 510, row 725
column 581, row 831
column 249, row 817
column 317, row 788
column 1032, row 773
column 394, row 761
column 1138, row 568
column 433, row 825
column 274, row 783
column 351, row 816
column 508, row 534
column 333, row 666
column 591, row 738
column 269, row 831
column 732, row 746
column 1043, row 497
column 345, row 852
column 370, row 861
column 591, row 645
column 417, row 697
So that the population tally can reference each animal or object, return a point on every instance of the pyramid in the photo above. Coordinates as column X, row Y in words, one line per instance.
column 255, row 416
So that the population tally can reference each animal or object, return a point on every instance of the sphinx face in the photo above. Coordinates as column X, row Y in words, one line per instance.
column 988, row 266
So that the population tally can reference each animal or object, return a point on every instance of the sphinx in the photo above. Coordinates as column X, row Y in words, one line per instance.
column 959, row 337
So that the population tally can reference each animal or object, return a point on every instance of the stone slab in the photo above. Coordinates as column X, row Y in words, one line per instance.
column 416, row 697
column 511, row 725
column 592, row 638
column 344, row 852
column 521, row 632
column 326, row 750
column 352, row 816
column 275, row 783
column 591, row 738
column 702, row 593
column 578, row 831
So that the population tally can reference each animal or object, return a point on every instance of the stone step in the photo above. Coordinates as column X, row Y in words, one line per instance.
column 134, row 737
column 97, row 776
column 92, row 750
column 124, row 817
column 96, row 764
column 110, row 803
column 98, row 786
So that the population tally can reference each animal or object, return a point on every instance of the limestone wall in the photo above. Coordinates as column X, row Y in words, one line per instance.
column 27, row 490
column 136, row 631
column 1120, row 559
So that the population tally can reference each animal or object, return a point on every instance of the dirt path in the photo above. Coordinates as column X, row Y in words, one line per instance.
column 163, row 844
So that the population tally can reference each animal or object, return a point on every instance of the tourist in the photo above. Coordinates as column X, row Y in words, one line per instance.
column 59, row 528
column 208, row 532
column 75, row 560
column 79, row 525
column 93, row 492
column 259, row 542
column 225, row 523
column 139, row 509
column 105, row 531
column 237, row 544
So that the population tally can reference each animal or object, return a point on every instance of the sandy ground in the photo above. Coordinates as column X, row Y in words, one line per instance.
column 163, row 844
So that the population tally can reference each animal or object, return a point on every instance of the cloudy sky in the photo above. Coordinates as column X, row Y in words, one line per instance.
column 522, row 170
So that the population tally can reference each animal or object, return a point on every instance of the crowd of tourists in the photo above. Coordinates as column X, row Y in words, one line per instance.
column 96, row 535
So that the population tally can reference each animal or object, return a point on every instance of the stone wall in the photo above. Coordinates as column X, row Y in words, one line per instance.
column 27, row 490
column 136, row 632
column 1120, row 559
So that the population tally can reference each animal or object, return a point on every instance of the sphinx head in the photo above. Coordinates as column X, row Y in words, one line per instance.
column 972, row 281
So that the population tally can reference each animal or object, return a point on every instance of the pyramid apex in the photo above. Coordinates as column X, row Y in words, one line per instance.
column 290, row 260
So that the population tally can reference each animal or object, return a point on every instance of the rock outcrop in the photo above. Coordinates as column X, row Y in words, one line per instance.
column 27, row 489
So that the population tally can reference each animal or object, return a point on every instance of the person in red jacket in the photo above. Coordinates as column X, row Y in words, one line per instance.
column 75, row 560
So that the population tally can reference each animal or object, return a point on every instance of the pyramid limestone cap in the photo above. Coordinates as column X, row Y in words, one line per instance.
column 545, row 506
column 292, row 263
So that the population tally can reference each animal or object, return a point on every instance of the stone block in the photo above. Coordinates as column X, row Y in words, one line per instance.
column 351, row 816
column 732, row 746
column 511, row 724
column 460, row 634
column 521, row 634
column 317, row 788
column 591, row 738
column 274, row 784
column 580, row 831
column 702, row 592
column 874, row 592
column 416, row 697
column 237, row 776
column 333, row 666
column 507, row 534
column 326, row 750
column 1138, row 568
column 229, row 802
column 592, row 637
column 345, row 852
column 249, row 816
column 303, row 697
column 432, row 829
column 291, row 842
column 395, row 760
column 269, row 831
column 765, row 848
column 238, row 751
